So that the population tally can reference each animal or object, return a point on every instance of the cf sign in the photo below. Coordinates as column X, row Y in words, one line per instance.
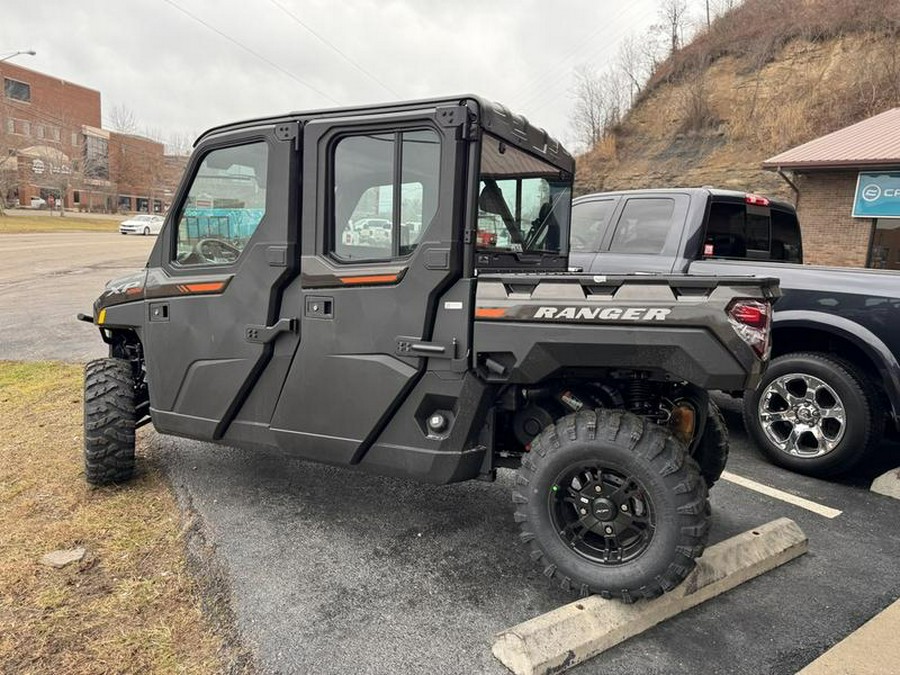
column 877, row 195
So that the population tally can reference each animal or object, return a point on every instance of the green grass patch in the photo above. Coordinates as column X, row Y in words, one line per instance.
column 35, row 224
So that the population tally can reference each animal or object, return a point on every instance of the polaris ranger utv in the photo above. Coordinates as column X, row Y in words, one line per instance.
column 273, row 314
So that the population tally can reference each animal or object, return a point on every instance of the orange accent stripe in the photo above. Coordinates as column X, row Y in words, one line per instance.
column 207, row 287
column 371, row 279
column 489, row 312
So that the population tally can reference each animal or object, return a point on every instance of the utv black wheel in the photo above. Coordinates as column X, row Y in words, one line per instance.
column 711, row 452
column 109, row 421
column 611, row 505
column 814, row 414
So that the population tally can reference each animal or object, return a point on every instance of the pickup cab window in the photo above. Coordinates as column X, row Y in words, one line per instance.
column 748, row 231
column 589, row 223
column 644, row 225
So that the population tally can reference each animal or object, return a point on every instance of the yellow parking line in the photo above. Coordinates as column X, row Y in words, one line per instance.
column 807, row 504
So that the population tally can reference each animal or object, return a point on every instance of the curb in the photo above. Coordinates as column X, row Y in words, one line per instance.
column 576, row 632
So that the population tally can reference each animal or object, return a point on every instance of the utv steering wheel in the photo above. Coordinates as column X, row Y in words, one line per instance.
column 216, row 251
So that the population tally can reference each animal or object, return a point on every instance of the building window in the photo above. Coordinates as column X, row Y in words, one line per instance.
column 74, row 139
column 17, row 91
column 96, row 157
column 10, row 125
column 25, row 127
column 39, row 130
column 54, row 134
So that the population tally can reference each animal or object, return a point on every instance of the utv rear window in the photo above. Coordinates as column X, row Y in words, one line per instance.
column 385, row 193
column 224, row 206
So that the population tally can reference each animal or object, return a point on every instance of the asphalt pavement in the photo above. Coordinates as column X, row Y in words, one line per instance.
column 47, row 279
column 334, row 571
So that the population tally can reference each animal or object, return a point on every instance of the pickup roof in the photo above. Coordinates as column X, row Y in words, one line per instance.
column 834, row 377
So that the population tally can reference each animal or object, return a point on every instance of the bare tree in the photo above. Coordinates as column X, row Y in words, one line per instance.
column 180, row 144
column 123, row 120
column 637, row 58
column 675, row 18
column 600, row 101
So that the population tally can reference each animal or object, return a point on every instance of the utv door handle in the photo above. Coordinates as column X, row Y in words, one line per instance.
column 265, row 334
column 413, row 346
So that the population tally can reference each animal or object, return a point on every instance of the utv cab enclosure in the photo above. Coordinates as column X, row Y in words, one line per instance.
column 273, row 314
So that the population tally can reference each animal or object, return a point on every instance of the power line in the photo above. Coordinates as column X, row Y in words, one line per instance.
column 247, row 49
column 333, row 47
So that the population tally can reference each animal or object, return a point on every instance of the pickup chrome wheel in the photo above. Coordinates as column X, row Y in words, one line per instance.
column 802, row 415
column 611, row 504
column 814, row 413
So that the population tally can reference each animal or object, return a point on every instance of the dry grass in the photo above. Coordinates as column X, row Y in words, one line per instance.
column 34, row 224
column 130, row 605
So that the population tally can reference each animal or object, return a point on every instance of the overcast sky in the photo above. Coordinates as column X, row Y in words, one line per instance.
column 180, row 76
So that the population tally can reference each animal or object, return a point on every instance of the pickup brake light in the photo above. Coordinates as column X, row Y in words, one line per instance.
column 752, row 321
column 756, row 200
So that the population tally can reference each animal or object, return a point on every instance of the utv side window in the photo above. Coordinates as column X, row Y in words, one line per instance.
column 385, row 193
column 224, row 206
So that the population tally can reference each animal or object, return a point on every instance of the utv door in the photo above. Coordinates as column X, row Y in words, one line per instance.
column 214, row 288
column 382, row 240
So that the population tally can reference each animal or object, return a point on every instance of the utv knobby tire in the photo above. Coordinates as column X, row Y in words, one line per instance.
column 109, row 421
column 656, row 460
column 863, row 413
column 711, row 452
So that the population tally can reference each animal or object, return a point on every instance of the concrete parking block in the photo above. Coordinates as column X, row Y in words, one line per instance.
column 558, row 640
column 888, row 484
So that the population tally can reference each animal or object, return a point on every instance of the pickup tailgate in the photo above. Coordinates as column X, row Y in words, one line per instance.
column 530, row 327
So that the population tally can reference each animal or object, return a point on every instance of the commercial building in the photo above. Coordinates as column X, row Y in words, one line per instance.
column 53, row 147
column 848, row 193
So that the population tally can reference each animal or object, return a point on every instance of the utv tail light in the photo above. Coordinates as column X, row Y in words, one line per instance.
column 752, row 321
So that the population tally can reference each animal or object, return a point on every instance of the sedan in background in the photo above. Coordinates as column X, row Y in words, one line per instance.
column 142, row 224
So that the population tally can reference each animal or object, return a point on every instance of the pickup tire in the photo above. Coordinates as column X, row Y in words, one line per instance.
column 612, row 505
column 814, row 414
column 711, row 452
column 109, row 421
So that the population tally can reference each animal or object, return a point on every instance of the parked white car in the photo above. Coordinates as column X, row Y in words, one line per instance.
column 38, row 203
column 142, row 224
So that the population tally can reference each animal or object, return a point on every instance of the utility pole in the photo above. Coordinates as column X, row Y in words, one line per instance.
column 708, row 22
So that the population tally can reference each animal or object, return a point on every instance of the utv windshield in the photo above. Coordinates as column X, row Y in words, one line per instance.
column 524, row 202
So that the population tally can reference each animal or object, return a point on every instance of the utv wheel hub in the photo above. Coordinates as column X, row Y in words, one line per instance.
column 602, row 513
column 604, row 509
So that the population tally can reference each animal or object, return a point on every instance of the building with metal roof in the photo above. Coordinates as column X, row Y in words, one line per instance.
column 847, row 187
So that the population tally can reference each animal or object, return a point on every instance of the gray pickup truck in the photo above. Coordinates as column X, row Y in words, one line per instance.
column 834, row 379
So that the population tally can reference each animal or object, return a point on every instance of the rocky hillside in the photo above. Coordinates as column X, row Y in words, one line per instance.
column 767, row 76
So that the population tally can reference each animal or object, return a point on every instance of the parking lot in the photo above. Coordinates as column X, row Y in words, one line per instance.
column 335, row 571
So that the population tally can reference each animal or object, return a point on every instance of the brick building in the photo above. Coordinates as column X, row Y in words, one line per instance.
column 53, row 146
column 845, row 184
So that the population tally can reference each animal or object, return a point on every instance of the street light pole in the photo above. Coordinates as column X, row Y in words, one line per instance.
column 29, row 52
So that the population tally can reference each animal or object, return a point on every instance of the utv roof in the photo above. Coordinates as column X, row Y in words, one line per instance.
column 493, row 117
column 715, row 192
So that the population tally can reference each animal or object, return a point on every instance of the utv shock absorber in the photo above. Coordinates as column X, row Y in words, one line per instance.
column 637, row 396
